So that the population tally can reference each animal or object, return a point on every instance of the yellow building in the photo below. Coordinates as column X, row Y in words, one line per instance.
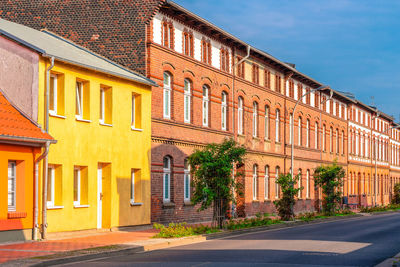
column 100, row 113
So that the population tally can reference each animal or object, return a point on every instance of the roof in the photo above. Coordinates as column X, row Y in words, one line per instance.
column 51, row 45
column 18, row 127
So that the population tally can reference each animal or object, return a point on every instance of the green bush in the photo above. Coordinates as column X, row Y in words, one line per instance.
column 390, row 207
column 396, row 194
column 174, row 230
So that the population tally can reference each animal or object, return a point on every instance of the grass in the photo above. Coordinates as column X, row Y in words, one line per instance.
column 174, row 230
column 390, row 207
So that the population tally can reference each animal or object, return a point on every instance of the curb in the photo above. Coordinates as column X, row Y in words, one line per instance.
column 136, row 247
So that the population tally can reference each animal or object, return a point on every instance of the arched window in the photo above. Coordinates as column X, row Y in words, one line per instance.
column 308, row 133
column 266, row 123
column 167, row 179
column 167, row 96
column 186, row 181
column 342, row 142
column 255, row 186
column 337, row 141
column 206, row 101
column 255, row 119
column 277, row 126
column 316, row 136
column 349, row 184
column 308, row 184
column 299, row 183
column 187, row 100
column 277, row 189
column 300, row 133
column 331, row 140
column 168, row 34
column 240, row 115
column 324, row 138
column 291, row 129
column 224, row 105
column 266, row 183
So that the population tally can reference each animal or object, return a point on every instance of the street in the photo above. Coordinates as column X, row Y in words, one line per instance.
column 363, row 241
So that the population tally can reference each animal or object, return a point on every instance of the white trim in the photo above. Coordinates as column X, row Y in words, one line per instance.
column 132, row 186
column 266, row 183
column 266, row 123
column 102, row 105
column 186, row 178
column 206, row 108
column 167, row 96
column 136, row 129
column 167, row 178
column 240, row 115
column 57, row 116
column 55, row 207
column 255, row 119
column 54, row 111
column 12, row 176
column 105, row 124
column 51, row 179
column 79, row 100
column 223, row 111
column 255, row 175
column 187, row 100
column 77, row 118
column 78, row 189
column 81, row 206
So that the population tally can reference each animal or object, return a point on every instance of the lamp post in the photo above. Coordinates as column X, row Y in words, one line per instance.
column 292, row 126
column 376, row 163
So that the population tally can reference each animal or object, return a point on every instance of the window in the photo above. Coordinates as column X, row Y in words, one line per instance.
column 266, row 123
column 323, row 138
column 187, row 100
column 167, row 179
column 308, row 133
column 188, row 43
column 337, row 141
column 256, row 74
column 331, row 140
column 266, row 183
column 225, row 59
column 105, row 105
column 12, row 185
column 316, row 100
column 316, row 136
column 77, row 186
column 168, row 34
column 240, row 68
column 79, row 100
column 206, row 51
column 136, row 186
column 291, row 89
column 291, row 129
column 53, row 95
column 82, row 110
column 255, row 174
column 277, row 126
column 50, row 186
column 80, row 186
column 186, row 181
column 267, row 79
column 224, row 105
column 278, row 83
column 308, row 97
column 205, row 105
column 299, row 182
column 300, row 133
column 240, row 115
column 255, row 119
column 308, row 184
column 167, row 96
column 299, row 91
column 277, row 189
column 136, row 117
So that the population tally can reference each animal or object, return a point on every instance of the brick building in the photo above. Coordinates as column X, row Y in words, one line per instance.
column 204, row 96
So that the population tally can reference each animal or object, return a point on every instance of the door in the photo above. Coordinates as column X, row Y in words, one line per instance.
column 99, row 197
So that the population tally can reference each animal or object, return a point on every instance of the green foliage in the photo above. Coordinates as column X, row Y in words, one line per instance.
column 391, row 207
column 396, row 194
column 174, row 230
column 288, row 192
column 213, row 183
column 330, row 179
column 310, row 216
column 253, row 222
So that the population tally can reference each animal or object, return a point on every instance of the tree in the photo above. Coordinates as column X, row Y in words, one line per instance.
column 396, row 194
column 213, row 180
column 286, row 203
column 330, row 179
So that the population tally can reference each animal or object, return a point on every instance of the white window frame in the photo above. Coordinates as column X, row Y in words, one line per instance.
column 308, row 133
column 186, row 100
column 79, row 182
column 255, row 174
column 331, row 139
column 276, row 184
column 51, row 179
column 79, row 99
column 206, row 99
column 167, row 96
column 255, row 119
column 300, row 133
column 133, row 186
column 337, row 142
column 223, row 110
column 266, row 183
column 277, row 125
column 55, row 89
column 102, row 105
column 133, row 114
column 12, row 185
column 186, row 182
column 308, row 184
column 323, row 138
column 240, row 115
column 299, row 183
column 266, row 123
column 316, row 135
column 167, row 178
column 291, row 128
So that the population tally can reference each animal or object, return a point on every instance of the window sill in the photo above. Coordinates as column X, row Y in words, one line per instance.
column 187, row 202
column 267, row 200
column 54, row 207
column 81, row 206
column 57, row 116
column 256, row 201
column 278, row 143
column 168, row 205
column 136, row 129
column 256, row 138
column 16, row 215
column 133, row 203
column 240, row 135
column 105, row 124
column 267, row 140
column 82, row 120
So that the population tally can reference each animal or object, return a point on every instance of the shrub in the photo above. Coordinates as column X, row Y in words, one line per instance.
column 396, row 194
column 285, row 204
column 173, row 230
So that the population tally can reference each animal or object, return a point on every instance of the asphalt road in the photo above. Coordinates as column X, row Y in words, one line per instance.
column 364, row 241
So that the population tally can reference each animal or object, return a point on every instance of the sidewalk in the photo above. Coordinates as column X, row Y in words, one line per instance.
column 15, row 251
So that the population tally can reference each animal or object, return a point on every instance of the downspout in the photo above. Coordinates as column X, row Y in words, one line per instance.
column 45, row 163
column 36, row 204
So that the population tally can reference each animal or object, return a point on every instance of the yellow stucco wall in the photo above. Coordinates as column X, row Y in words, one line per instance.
column 118, row 148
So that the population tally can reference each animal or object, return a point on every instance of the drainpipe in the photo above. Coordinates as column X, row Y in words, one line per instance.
column 36, row 204
column 45, row 163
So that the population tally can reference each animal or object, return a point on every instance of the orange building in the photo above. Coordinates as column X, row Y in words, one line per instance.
column 21, row 141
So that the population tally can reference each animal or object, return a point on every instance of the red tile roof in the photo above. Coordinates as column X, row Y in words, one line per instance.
column 16, row 125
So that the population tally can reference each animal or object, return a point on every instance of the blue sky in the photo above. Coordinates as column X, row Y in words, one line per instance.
column 350, row 45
